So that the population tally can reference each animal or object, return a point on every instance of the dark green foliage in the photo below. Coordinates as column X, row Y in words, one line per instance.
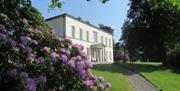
column 151, row 29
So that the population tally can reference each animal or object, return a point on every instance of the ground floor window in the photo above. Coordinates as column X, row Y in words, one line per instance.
column 88, row 51
column 106, row 57
column 110, row 55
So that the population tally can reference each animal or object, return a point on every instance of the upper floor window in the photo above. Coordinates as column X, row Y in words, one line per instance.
column 87, row 35
column 81, row 34
column 73, row 31
column 102, row 39
column 109, row 42
column 95, row 36
column 106, row 40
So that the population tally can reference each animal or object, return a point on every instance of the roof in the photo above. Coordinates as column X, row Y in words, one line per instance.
column 80, row 20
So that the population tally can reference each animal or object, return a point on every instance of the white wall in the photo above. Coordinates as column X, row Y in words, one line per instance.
column 79, row 25
column 58, row 25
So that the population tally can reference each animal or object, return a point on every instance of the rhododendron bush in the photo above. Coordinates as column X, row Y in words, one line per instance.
column 33, row 58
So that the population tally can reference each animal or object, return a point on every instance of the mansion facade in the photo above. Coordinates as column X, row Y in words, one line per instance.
column 97, row 42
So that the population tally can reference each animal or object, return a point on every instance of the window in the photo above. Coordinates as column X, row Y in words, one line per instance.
column 88, row 51
column 109, row 42
column 95, row 37
column 87, row 35
column 81, row 33
column 102, row 39
column 73, row 31
column 110, row 55
column 106, row 55
column 106, row 41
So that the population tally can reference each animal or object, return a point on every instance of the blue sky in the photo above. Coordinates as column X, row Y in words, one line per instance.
column 113, row 13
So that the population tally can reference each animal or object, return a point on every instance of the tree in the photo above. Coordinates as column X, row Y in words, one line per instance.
column 148, row 28
column 58, row 4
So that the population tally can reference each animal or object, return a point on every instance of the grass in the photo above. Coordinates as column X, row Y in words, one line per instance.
column 164, row 78
column 113, row 75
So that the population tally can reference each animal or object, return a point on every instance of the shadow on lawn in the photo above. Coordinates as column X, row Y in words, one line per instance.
column 107, row 68
column 148, row 68
column 127, row 68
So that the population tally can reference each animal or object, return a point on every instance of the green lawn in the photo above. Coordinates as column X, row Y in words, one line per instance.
column 112, row 74
column 166, row 79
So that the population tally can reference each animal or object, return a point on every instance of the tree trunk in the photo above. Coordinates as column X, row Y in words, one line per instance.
column 162, row 54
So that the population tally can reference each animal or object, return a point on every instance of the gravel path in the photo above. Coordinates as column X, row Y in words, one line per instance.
column 137, row 81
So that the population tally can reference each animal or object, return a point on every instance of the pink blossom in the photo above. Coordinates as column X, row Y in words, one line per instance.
column 79, row 47
column 68, row 52
column 82, row 53
column 63, row 50
column 101, row 78
column 102, row 86
column 54, row 55
column 28, row 38
column 64, row 58
column 46, row 49
column 71, row 63
column 108, row 85
column 89, row 64
column 35, row 42
column 88, row 82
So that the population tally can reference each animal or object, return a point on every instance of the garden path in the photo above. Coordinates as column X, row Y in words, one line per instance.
column 138, row 82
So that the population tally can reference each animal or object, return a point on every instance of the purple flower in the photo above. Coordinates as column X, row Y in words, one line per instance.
column 78, row 57
column 31, row 85
column 108, row 85
column 41, row 60
column 63, row 50
column 28, row 38
column 71, row 63
column 31, row 57
column 22, row 46
column 80, row 67
column 67, row 52
column 64, row 58
column 24, row 75
column 54, row 55
column 58, row 38
column 3, row 37
column 101, row 78
column 41, row 79
column 94, row 77
column 82, row 53
column 88, row 82
column 46, row 49
column 101, row 86
column 23, row 40
column 79, row 47
column 35, row 42
column 13, row 43
column 2, row 29
column 83, row 73
column 89, row 64
column 28, row 50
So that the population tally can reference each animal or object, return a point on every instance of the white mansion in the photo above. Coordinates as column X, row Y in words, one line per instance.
column 97, row 42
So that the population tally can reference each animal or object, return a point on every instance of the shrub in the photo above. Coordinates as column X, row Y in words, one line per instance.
column 32, row 58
